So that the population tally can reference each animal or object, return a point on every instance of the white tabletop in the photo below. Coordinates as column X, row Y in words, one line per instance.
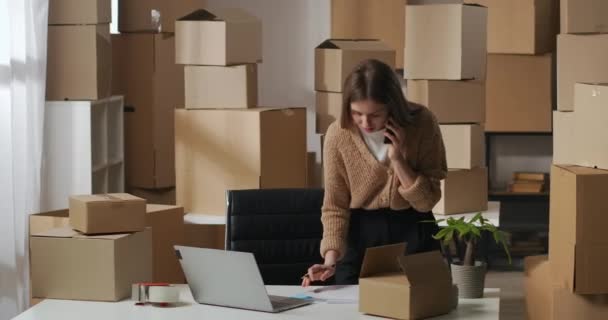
column 472, row 309
column 492, row 214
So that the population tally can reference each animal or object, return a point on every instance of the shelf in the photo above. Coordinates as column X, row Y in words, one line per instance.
column 517, row 194
column 530, row 133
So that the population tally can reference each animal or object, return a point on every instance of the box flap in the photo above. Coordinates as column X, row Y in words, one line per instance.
column 220, row 14
column 382, row 259
column 64, row 232
column 425, row 268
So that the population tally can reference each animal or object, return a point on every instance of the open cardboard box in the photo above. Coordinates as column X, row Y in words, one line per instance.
column 405, row 287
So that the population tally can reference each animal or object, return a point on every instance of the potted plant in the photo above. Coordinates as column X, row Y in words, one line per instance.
column 469, row 274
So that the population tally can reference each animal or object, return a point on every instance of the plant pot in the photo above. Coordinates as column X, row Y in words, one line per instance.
column 469, row 279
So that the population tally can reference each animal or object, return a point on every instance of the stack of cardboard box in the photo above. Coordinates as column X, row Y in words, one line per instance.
column 571, row 282
column 334, row 61
column 102, row 245
column 445, row 62
column 223, row 140
column 146, row 74
column 519, row 85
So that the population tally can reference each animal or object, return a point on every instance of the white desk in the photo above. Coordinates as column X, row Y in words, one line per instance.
column 492, row 214
column 471, row 309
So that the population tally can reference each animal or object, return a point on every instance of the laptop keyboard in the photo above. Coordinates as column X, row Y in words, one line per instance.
column 281, row 302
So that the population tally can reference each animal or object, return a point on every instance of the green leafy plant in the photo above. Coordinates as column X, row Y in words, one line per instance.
column 467, row 234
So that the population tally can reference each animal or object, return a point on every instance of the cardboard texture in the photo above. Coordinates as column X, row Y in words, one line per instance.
column 546, row 300
column 371, row 19
column 522, row 26
column 336, row 59
column 580, row 58
column 584, row 16
column 328, row 109
column 564, row 147
column 445, row 41
column 67, row 265
column 167, row 223
column 153, row 15
column 211, row 236
column 79, row 12
column 450, row 101
column 107, row 213
column 404, row 287
column 219, row 150
column 463, row 191
column 164, row 196
column 209, row 87
column 464, row 145
column 43, row 221
column 218, row 37
column 153, row 86
column 519, row 95
column 79, row 62
column 577, row 217
column 591, row 102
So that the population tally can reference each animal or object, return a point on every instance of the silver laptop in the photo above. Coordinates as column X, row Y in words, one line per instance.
column 229, row 279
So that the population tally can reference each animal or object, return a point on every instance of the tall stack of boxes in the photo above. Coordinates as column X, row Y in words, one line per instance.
column 519, row 84
column 445, row 67
column 571, row 282
column 223, row 140
column 146, row 74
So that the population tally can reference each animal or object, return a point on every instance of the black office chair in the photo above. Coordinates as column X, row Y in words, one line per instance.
column 281, row 227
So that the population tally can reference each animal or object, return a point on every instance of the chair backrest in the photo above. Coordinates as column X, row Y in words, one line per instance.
column 281, row 227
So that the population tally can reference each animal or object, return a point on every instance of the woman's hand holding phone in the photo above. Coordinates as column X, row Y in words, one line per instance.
column 394, row 136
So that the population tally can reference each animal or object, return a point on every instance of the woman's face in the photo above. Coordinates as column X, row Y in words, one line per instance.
column 368, row 115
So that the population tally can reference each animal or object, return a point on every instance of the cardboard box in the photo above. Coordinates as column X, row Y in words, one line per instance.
column 167, row 223
column 521, row 27
column 463, row 191
column 68, row 265
column 577, row 216
column 450, row 101
column 464, row 145
column 404, row 287
column 210, row 87
column 519, row 96
column 584, row 16
column 371, row 19
column 153, row 86
column 153, row 15
column 314, row 169
column 546, row 300
column 107, row 213
column 164, row 196
column 44, row 221
column 218, row 37
column 79, row 12
column 219, row 150
column 590, row 124
column 211, row 236
column 336, row 59
column 580, row 58
column 564, row 146
column 445, row 41
column 79, row 62
column 328, row 107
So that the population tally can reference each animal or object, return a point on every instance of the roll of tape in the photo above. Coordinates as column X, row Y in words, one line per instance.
column 168, row 294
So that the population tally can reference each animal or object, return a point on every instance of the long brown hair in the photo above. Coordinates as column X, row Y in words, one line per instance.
column 374, row 80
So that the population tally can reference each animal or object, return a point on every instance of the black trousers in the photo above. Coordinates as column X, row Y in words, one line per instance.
column 371, row 228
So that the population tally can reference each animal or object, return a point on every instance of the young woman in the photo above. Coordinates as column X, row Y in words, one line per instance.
column 383, row 162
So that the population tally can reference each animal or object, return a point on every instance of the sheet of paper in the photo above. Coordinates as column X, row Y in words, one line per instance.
column 332, row 294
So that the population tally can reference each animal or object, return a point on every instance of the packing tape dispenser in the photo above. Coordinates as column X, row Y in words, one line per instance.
column 161, row 294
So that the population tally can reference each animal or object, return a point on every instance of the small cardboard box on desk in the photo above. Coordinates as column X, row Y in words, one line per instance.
column 405, row 287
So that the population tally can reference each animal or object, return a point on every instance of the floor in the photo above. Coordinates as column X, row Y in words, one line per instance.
column 512, row 303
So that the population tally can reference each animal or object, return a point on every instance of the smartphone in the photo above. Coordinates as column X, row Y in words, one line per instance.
column 386, row 139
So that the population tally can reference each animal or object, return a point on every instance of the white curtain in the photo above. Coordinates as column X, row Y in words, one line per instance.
column 23, row 34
